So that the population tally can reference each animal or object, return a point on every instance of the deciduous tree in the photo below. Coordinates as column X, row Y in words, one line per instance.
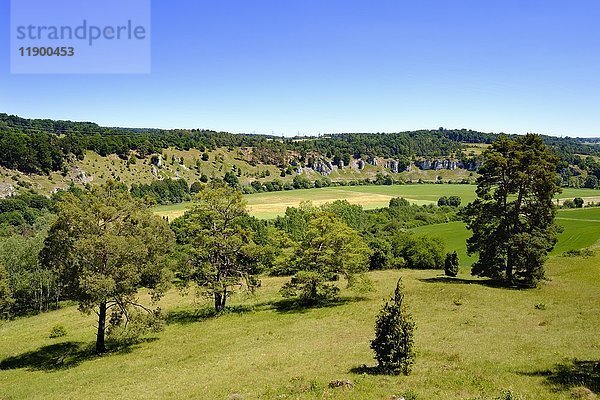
column 329, row 249
column 221, row 251
column 106, row 246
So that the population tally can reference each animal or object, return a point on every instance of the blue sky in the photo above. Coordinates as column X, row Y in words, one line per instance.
column 317, row 66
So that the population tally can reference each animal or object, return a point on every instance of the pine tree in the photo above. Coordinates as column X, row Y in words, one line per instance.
column 512, row 219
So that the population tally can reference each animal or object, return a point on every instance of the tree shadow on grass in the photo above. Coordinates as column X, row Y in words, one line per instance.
column 297, row 306
column 368, row 370
column 191, row 316
column 474, row 281
column 62, row 356
column 572, row 374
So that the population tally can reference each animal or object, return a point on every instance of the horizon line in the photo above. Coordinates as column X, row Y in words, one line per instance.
column 273, row 133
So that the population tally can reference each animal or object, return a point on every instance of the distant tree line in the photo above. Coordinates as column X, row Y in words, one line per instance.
column 42, row 145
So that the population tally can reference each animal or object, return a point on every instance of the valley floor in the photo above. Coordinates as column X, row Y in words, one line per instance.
column 272, row 204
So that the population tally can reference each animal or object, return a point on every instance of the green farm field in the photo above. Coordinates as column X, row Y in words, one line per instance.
column 473, row 341
column 581, row 229
column 272, row 204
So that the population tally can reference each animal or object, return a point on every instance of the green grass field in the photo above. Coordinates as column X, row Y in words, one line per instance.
column 272, row 204
column 472, row 340
column 581, row 229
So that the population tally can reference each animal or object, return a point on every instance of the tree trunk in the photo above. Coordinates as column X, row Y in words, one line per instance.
column 509, row 269
column 515, row 229
column 100, row 346
column 313, row 291
column 220, row 299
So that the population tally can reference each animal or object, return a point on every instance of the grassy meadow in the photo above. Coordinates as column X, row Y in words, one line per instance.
column 581, row 229
column 271, row 204
column 473, row 340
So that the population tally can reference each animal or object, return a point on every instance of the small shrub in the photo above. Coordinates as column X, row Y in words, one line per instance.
column 540, row 306
column 454, row 201
column 410, row 395
column 578, row 202
column 397, row 263
column 578, row 253
column 58, row 331
column 399, row 202
column 451, row 264
column 195, row 187
column 507, row 395
column 125, row 329
column 394, row 330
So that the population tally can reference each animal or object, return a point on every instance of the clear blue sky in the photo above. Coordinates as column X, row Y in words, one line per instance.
column 311, row 66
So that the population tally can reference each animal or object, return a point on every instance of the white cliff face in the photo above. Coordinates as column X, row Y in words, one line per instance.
column 444, row 164
column 81, row 176
column 393, row 165
column 157, row 160
column 373, row 161
column 7, row 190
column 322, row 167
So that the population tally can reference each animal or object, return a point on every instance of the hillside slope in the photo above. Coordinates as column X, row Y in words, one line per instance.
column 189, row 165
column 47, row 155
